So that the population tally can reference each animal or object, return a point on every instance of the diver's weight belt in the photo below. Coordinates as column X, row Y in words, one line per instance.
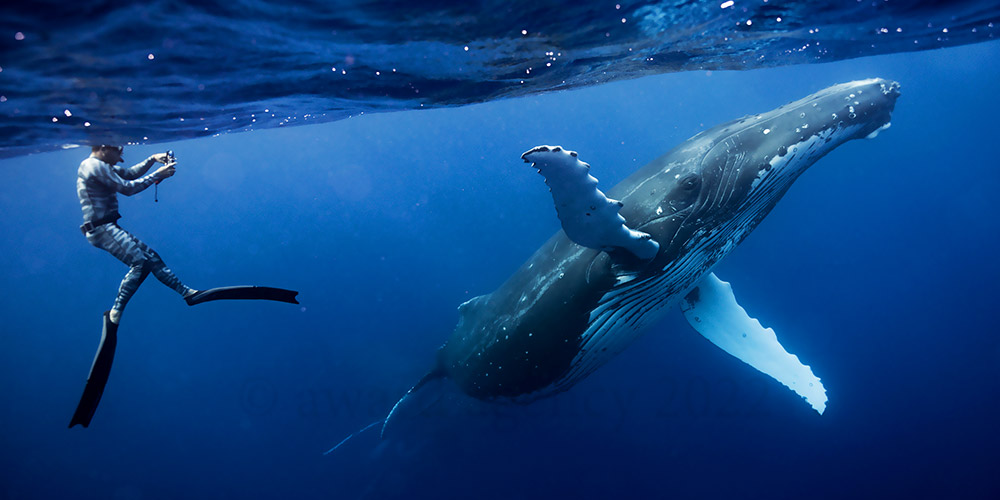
column 94, row 224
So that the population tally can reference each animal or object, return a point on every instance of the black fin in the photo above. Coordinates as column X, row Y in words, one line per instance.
column 242, row 293
column 98, row 376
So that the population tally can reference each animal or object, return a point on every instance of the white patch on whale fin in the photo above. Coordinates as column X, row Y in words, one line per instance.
column 712, row 310
column 588, row 217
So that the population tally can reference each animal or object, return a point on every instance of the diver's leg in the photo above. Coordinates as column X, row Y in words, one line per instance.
column 134, row 252
column 130, row 284
column 164, row 274
column 121, row 245
column 153, row 263
column 142, row 260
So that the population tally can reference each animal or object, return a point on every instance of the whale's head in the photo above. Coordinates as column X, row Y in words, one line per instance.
column 723, row 182
column 754, row 166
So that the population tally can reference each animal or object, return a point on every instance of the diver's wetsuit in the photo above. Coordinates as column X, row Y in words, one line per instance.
column 97, row 184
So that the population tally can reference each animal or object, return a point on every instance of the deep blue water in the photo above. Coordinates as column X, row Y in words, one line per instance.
column 878, row 269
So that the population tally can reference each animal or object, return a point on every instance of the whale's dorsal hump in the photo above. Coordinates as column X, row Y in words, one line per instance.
column 588, row 217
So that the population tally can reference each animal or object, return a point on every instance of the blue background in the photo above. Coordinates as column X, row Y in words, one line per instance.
column 878, row 269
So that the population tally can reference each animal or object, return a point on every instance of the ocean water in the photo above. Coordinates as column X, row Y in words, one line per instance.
column 119, row 72
column 878, row 269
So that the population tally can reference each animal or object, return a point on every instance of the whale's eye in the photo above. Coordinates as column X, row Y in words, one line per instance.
column 690, row 182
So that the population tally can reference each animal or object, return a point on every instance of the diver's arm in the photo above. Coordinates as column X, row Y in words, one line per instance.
column 135, row 171
column 110, row 177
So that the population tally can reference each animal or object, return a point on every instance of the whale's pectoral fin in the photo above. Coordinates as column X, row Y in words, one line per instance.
column 416, row 400
column 712, row 310
column 588, row 217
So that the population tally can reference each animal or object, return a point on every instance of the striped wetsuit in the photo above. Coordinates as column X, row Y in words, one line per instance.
column 97, row 184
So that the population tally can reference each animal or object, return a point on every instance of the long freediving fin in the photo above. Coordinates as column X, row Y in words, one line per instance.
column 242, row 293
column 712, row 310
column 98, row 377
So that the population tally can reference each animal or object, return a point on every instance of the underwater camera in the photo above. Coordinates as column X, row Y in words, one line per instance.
column 156, row 185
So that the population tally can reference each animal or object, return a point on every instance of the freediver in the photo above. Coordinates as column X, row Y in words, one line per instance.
column 99, row 180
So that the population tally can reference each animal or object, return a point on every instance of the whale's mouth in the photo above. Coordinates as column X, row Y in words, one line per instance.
column 892, row 91
column 789, row 139
column 753, row 166
column 865, row 104
column 827, row 119
column 806, row 130
column 875, row 133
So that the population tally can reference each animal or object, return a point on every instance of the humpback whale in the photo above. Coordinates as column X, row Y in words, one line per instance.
column 623, row 260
